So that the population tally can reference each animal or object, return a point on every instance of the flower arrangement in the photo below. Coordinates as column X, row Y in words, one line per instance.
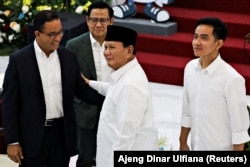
column 15, row 15
column 164, row 143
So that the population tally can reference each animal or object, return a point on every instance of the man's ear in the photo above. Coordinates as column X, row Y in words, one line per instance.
column 36, row 33
column 130, row 49
column 220, row 43
column 112, row 20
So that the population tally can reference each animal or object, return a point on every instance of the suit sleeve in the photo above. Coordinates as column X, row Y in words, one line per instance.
column 85, row 92
column 10, row 103
column 89, row 95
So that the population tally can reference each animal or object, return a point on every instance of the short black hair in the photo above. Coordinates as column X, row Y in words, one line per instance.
column 42, row 17
column 101, row 5
column 220, row 30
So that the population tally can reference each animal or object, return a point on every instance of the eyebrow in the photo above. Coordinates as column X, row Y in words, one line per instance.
column 202, row 35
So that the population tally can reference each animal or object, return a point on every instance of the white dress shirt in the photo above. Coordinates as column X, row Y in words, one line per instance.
column 214, row 106
column 127, row 116
column 102, row 69
column 50, row 72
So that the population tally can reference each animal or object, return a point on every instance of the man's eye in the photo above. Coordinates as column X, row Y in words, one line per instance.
column 52, row 34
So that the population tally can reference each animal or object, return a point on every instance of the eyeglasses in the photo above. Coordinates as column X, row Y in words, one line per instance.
column 53, row 35
column 101, row 20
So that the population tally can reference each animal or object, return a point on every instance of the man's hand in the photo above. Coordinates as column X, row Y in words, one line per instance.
column 85, row 79
column 14, row 152
column 184, row 147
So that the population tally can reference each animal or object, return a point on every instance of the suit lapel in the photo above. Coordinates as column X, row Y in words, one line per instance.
column 89, row 57
column 33, row 67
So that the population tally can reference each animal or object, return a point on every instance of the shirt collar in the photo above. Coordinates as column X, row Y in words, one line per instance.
column 117, row 74
column 212, row 67
column 40, row 52
column 93, row 41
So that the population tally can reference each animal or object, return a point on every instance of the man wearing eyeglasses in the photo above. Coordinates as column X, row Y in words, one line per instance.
column 89, row 49
column 39, row 86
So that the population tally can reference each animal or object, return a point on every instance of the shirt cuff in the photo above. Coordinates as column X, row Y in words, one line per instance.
column 186, row 122
column 93, row 84
column 240, row 137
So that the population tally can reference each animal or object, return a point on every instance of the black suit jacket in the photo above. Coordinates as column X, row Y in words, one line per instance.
column 23, row 103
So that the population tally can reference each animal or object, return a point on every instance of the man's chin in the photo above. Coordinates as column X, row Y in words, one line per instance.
column 55, row 46
column 196, row 55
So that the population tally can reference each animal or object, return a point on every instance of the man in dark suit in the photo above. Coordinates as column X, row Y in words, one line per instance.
column 89, row 49
column 40, row 83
